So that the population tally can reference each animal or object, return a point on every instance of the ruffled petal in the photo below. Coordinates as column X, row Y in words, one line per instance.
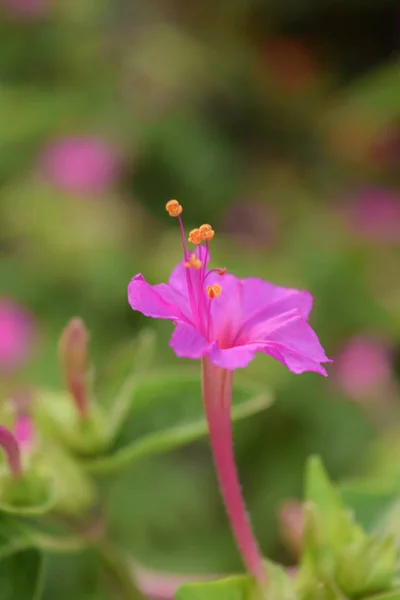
column 187, row 342
column 157, row 301
column 233, row 358
column 292, row 341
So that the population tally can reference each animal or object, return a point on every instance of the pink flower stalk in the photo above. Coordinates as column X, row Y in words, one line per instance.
column 81, row 164
column 16, row 335
column 363, row 367
column 12, row 450
column 375, row 215
column 27, row 8
column 23, row 425
column 225, row 321
column 23, row 431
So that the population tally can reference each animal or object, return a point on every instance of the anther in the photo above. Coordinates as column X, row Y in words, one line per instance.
column 173, row 208
column 195, row 236
column 206, row 232
column 213, row 291
column 193, row 262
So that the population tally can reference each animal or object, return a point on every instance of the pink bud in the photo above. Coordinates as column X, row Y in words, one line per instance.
column 16, row 335
column 291, row 517
column 362, row 367
column 80, row 164
column 11, row 448
column 74, row 357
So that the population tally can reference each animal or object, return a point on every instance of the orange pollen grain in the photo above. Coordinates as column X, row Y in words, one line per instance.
column 193, row 263
column 213, row 291
column 195, row 236
column 173, row 208
column 206, row 232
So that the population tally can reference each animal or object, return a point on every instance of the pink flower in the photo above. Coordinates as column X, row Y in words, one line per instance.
column 375, row 215
column 229, row 320
column 224, row 321
column 81, row 164
column 362, row 367
column 251, row 224
column 27, row 8
column 16, row 335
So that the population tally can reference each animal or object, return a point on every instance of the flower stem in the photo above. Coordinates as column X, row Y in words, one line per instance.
column 217, row 396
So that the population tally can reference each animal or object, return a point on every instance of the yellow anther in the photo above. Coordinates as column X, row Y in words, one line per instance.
column 173, row 208
column 213, row 291
column 206, row 232
column 195, row 236
column 193, row 262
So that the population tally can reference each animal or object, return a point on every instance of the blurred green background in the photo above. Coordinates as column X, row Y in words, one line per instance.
column 276, row 122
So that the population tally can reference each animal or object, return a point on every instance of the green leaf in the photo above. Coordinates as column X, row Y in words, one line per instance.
column 393, row 595
column 167, row 412
column 280, row 587
column 21, row 576
column 20, row 562
column 117, row 386
column 320, row 491
column 369, row 499
column 232, row 588
column 336, row 550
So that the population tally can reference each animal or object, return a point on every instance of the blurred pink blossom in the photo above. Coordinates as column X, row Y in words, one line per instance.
column 16, row 335
column 27, row 8
column 251, row 223
column 374, row 214
column 81, row 164
column 363, row 367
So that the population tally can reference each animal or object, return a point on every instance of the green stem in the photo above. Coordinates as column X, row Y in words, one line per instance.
column 119, row 572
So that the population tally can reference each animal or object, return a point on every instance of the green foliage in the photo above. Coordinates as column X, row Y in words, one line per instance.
column 338, row 555
column 166, row 413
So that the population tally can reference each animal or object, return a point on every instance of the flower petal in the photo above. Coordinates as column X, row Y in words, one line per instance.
column 233, row 358
column 262, row 295
column 291, row 340
column 187, row 342
column 157, row 301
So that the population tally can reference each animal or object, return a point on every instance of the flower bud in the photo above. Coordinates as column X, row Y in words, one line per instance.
column 9, row 444
column 73, row 352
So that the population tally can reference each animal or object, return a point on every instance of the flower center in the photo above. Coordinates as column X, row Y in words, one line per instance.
column 196, row 271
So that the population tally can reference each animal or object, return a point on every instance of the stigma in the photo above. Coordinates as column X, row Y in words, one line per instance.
column 214, row 291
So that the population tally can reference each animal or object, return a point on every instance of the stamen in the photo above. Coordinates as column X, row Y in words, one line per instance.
column 220, row 272
column 173, row 208
column 214, row 291
column 195, row 237
column 206, row 232
column 193, row 262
